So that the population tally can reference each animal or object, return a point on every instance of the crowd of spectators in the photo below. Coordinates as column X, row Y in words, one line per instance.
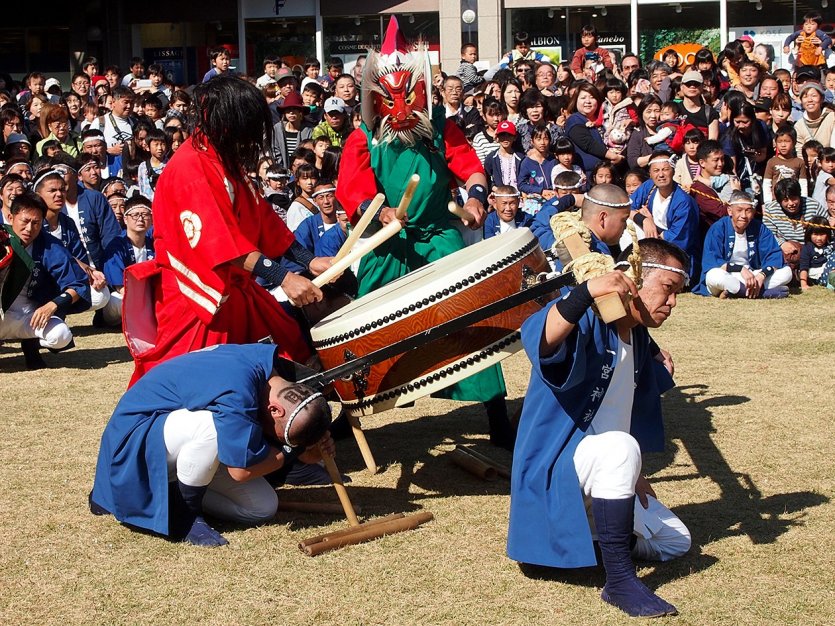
column 728, row 157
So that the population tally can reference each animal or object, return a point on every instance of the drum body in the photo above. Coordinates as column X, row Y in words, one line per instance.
column 436, row 293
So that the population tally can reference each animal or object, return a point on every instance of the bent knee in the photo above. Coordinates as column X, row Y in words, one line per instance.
column 264, row 508
column 57, row 336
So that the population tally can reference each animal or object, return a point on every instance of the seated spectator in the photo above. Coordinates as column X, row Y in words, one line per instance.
column 784, row 164
column 564, row 154
column 535, row 169
column 303, row 206
column 817, row 250
column 56, row 286
column 830, row 204
column 485, row 141
column 134, row 246
column 502, row 166
column 638, row 150
column 687, row 167
column 277, row 189
column 711, row 188
column 337, row 125
column 568, row 192
column 533, row 112
column 590, row 52
column 467, row 118
column 634, row 178
column 581, row 128
column 150, row 169
column 785, row 216
column 663, row 209
column 312, row 228
column 521, row 51
column 826, row 177
column 619, row 116
column 506, row 214
column 741, row 257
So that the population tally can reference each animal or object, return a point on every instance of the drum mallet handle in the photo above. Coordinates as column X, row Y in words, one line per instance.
column 362, row 224
column 406, row 200
column 336, row 477
column 458, row 211
column 387, row 232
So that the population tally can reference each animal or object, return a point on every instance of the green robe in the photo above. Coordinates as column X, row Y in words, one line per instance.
column 428, row 236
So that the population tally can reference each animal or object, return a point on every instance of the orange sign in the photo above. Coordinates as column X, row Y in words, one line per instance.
column 686, row 53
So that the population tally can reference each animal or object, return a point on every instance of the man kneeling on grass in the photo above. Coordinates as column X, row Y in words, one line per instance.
column 741, row 257
column 591, row 409
column 212, row 431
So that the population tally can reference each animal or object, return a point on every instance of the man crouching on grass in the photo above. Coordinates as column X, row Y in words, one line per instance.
column 592, row 407
column 210, row 431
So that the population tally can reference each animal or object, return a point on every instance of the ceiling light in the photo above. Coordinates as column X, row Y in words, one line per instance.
column 550, row 14
column 678, row 8
column 604, row 11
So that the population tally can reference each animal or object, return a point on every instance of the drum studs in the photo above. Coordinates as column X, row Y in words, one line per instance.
column 445, row 292
column 458, row 285
column 411, row 308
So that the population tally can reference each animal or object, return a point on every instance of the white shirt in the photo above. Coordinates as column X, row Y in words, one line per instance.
column 659, row 210
column 140, row 254
column 506, row 226
column 615, row 412
column 113, row 135
column 739, row 255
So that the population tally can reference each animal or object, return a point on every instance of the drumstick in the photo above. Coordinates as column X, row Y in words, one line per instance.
column 387, row 232
column 362, row 224
column 406, row 200
column 458, row 211
column 336, row 477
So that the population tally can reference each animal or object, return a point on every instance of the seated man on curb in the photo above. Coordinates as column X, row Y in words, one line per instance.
column 591, row 409
column 56, row 285
column 741, row 257
column 786, row 215
column 209, row 431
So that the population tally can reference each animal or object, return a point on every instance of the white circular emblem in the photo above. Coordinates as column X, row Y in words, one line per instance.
column 268, row 263
column 192, row 225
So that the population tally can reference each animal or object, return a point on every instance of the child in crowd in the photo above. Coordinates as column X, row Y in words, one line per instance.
column 687, row 167
column 811, row 152
column 619, row 115
column 152, row 109
column 506, row 215
column 815, row 253
column 484, row 141
column 564, row 152
column 634, row 178
column 669, row 121
column 829, row 84
column 303, row 206
column 784, row 164
column 810, row 42
column 220, row 60
column 826, row 177
column 176, row 137
column 535, row 171
column 277, row 189
column 502, row 166
column 604, row 173
column 320, row 144
column 781, row 111
column 151, row 168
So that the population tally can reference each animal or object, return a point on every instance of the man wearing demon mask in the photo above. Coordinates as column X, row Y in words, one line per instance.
column 401, row 136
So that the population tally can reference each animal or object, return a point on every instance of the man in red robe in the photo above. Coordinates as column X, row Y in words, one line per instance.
column 214, row 234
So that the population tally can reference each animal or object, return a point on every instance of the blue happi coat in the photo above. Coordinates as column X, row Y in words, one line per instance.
column 541, row 224
column 119, row 255
column 98, row 225
column 132, row 473
column 492, row 225
column 310, row 231
column 71, row 238
column 682, row 221
column 764, row 252
column 54, row 271
column 548, row 521
column 330, row 242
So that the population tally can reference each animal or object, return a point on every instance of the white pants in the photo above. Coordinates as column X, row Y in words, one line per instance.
column 608, row 466
column 191, row 446
column 718, row 280
column 99, row 299
column 17, row 324
column 112, row 311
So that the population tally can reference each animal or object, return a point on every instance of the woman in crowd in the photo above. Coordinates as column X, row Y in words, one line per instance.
column 511, row 94
column 582, row 130
column 638, row 150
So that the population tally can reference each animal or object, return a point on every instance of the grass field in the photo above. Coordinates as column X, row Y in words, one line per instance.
column 748, row 467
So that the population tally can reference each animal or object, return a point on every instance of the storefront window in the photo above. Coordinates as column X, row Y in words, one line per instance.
column 294, row 40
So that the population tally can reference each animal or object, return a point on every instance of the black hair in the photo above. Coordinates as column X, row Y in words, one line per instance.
column 530, row 98
column 156, row 69
column 136, row 199
column 335, row 62
column 311, row 63
column 704, row 55
column 563, row 145
column 615, row 84
column 521, row 37
column 152, row 99
column 646, row 101
column 813, row 16
column 588, row 29
column 786, row 188
column 469, row 44
column 28, row 200
column 788, row 129
column 330, row 163
column 603, row 164
column 492, row 106
column 306, row 170
column 827, row 154
column 232, row 115
column 539, row 130
column 304, row 153
column 62, row 158
column 218, row 51
column 639, row 172
column 694, row 134
column 817, row 225
column 158, row 134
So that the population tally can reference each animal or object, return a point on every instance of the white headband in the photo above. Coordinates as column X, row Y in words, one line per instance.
column 506, row 195
column 46, row 174
column 659, row 266
column 92, row 138
column 295, row 414
column 137, row 206
column 88, row 164
column 741, row 201
column 665, row 159
column 611, row 205
column 272, row 176
column 319, row 192
column 568, row 187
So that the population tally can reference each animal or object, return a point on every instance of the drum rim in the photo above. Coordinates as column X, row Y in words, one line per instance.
column 431, row 299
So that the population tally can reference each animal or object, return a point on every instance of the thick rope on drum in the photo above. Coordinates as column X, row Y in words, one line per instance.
column 593, row 264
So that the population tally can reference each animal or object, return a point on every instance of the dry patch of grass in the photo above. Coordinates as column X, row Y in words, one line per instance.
column 747, row 467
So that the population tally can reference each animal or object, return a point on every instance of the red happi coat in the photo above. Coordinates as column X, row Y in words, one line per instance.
column 203, row 219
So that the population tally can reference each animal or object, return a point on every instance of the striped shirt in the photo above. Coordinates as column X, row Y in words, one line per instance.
column 787, row 228
column 484, row 146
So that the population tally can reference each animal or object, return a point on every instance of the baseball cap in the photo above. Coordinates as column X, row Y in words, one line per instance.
column 692, row 76
column 335, row 105
column 283, row 75
column 762, row 104
column 506, row 127
column 51, row 82
column 747, row 38
column 17, row 138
